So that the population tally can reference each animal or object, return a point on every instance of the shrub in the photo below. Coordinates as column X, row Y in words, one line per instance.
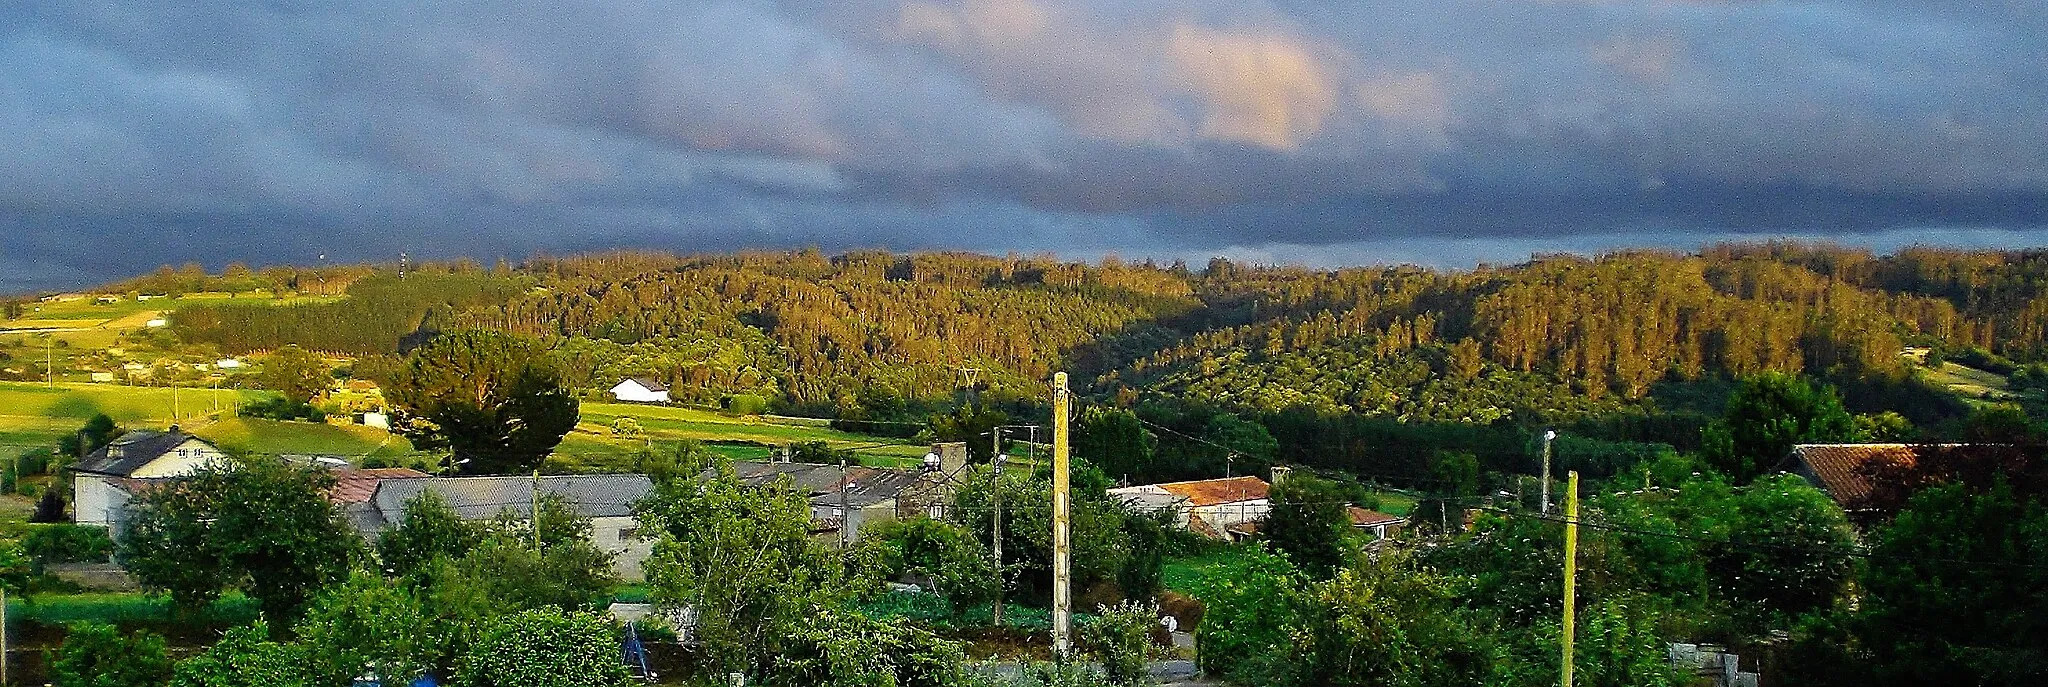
column 544, row 648
column 1121, row 638
column 98, row 655
column 245, row 658
column 56, row 543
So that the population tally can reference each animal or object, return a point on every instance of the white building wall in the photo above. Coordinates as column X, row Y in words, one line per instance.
column 184, row 460
column 631, row 391
column 95, row 501
column 620, row 536
column 1224, row 515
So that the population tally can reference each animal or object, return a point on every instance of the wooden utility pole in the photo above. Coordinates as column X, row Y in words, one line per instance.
column 1062, row 548
column 1571, row 569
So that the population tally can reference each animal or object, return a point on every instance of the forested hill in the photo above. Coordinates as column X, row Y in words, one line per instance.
column 1561, row 335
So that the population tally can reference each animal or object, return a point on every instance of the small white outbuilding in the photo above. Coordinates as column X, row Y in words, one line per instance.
column 641, row 390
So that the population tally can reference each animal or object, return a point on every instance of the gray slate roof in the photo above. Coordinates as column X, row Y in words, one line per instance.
column 483, row 498
column 131, row 451
column 865, row 486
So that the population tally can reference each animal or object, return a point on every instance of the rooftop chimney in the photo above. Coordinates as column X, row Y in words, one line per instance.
column 952, row 455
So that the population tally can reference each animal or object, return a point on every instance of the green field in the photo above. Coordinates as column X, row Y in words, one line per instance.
column 271, row 436
column 1971, row 383
column 671, row 423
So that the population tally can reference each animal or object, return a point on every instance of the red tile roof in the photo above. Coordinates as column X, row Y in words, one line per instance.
column 358, row 485
column 1839, row 468
column 1361, row 517
column 1210, row 492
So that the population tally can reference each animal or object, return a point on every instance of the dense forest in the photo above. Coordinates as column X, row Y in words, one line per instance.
column 1631, row 348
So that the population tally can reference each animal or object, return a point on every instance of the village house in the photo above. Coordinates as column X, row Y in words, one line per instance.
column 605, row 500
column 847, row 501
column 104, row 481
column 641, row 390
column 1227, row 508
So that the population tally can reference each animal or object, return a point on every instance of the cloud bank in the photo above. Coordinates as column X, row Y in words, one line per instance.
column 144, row 133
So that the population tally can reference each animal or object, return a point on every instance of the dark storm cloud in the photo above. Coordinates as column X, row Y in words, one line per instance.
column 143, row 133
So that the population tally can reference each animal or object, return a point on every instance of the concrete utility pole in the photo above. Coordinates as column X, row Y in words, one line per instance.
column 845, row 516
column 1548, row 435
column 1062, row 548
column 996, row 538
column 535, row 506
column 1571, row 569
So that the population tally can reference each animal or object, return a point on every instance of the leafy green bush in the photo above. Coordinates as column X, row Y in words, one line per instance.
column 56, row 543
column 843, row 649
column 98, row 655
column 544, row 648
column 1121, row 638
column 244, row 657
column 743, row 404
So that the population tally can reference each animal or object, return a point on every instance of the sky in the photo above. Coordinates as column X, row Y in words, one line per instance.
column 1319, row 132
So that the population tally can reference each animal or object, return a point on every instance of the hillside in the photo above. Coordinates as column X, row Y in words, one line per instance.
column 1339, row 366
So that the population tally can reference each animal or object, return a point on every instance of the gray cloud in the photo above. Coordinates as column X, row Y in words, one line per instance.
column 216, row 130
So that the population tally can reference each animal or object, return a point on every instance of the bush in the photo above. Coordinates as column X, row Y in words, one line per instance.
column 743, row 404
column 851, row 650
column 1121, row 638
column 544, row 648
column 57, row 543
column 245, row 658
column 98, row 655
column 283, row 409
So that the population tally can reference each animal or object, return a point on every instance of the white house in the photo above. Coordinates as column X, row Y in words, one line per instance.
column 641, row 390
column 1210, row 507
column 228, row 363
column 105, row 480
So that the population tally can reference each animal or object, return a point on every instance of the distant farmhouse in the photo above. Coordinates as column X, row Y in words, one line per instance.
column 1234, row 508
column 1213, row 508
column 641, row 390
column 106, row 480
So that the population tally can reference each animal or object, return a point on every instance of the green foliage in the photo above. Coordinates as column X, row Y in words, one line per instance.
column 1106, row 540
column 958, row 566
column 492, row 398
column 844, row 649
column 1113, row 439
column 1308, row 524
column 55, row 543
column 380, row 311
column 1384, row 624
column 743, row 558
column 1781, row 548
column 544, row 648
column 244, row 657
column 507, row 573
column 1248, row 617
column 1930, row 616
column 428, row 528
column 97, row 432
column 1121, row 639
column 98, row 655
column 367, row 626
column 258, row 525
column 296, row 373
column 1767, row 415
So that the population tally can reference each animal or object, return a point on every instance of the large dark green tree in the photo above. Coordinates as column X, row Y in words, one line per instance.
column 1308, row 523
column 493, row 399
column 1957, row 591
column 1113, row 439
column 258, row 525
column 296, row 373
column 1768, row 414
